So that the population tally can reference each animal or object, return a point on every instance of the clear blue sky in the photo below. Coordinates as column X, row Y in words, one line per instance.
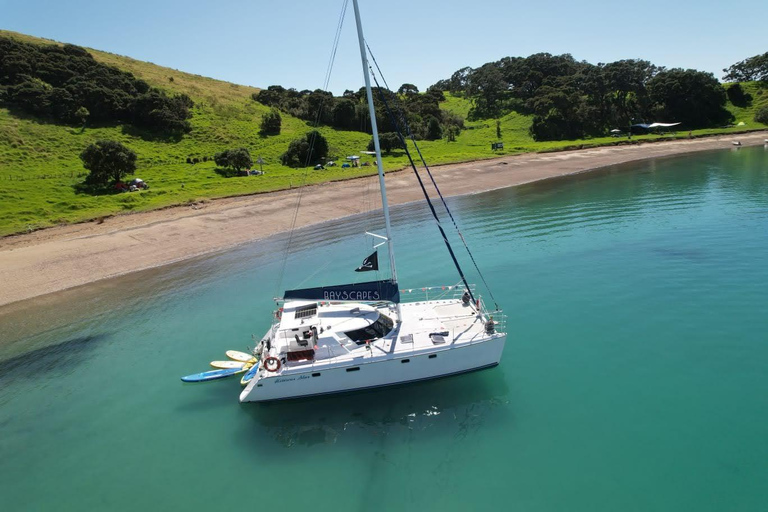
column 265, row 42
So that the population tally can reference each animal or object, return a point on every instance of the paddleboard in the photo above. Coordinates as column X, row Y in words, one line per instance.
column 227, row 364
column 249, row 375
column 212, row 375
column 239, row 356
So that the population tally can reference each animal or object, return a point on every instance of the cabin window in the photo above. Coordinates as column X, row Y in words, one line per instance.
column 432, row 356
column 353, row 369
column 315, row 374
column 378, row 329
column 405, row 361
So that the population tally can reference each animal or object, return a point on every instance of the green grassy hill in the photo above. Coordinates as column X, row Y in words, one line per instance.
column 39, row 163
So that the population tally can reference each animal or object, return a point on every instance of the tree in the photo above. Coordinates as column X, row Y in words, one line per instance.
column 761, row 116
column 271, row 122
column 458, row 82
column 236, row 159
column 436, row 93
column 691, row 97
column 81, row 115
column 408, row 89
column 486, row 86
column 320, row 106
column 157, row 111
column 434, row 130
column 626, row 84
column 387, row 141
column 451, row 132
column 344, row 114
column 240, row 159
column 108, row 160
column 308, row 150
column 747, row 70
column 53, row 82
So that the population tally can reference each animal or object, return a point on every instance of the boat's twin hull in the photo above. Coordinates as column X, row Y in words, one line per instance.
column 373, row 374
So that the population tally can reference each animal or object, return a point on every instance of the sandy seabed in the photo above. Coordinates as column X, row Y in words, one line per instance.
column 66, row 256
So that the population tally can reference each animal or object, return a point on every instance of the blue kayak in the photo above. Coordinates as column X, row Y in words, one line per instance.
column 250, row 374
column 212, row 375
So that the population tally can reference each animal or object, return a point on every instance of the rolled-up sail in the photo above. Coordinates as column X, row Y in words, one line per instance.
column 371, row 291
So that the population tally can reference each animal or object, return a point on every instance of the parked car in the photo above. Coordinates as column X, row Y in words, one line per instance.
column 137, row 184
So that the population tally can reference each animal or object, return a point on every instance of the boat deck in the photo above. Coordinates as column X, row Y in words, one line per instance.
column 426, row 326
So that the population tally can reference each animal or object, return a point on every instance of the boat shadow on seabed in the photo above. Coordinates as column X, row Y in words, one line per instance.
column 453, row 406
column 62, row 356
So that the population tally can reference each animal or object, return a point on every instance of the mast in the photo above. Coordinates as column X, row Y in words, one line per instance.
column 375, row 130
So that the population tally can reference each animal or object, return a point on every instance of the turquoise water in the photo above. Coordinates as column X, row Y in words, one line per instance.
column 635, row 376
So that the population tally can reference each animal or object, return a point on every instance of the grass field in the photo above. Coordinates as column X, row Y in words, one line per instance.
column 39, row 163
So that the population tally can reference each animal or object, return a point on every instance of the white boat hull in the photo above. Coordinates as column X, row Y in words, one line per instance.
column 366, row 373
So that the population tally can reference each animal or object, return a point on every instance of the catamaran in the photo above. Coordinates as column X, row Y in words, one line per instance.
column 350, row 337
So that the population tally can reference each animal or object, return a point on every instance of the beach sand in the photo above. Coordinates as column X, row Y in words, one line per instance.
column 66, row 256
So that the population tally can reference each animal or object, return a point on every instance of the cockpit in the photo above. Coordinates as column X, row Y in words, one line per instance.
column 378, row 329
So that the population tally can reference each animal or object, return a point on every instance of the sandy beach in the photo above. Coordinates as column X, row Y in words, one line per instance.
column 63, row 257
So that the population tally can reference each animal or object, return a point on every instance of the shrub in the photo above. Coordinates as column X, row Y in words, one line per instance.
column 761, row 116
column 737, row 96
column 271, row 122
column 82, row 115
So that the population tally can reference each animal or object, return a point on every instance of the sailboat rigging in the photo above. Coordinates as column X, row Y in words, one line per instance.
column 348, row 337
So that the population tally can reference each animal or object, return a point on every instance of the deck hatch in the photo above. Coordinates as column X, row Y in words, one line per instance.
column 305, row 311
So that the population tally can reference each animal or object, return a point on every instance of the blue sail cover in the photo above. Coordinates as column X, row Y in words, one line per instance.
column 372, row 291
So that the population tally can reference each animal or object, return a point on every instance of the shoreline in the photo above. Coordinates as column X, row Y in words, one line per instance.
column 68, row 256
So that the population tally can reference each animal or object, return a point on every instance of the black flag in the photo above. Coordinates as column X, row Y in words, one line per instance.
column 369, row 263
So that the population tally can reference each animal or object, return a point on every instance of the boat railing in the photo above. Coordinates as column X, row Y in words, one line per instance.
column 498, row 316
column 454, row 291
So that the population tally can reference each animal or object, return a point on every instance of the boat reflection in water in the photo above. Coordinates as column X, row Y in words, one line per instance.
column 450, row 408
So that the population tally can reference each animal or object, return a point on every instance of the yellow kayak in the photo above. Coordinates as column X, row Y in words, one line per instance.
column 239, row 356
column 227, row 364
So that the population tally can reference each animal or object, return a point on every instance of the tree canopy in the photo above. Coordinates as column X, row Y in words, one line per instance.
column 761, row 116
column 748, row 70
column 572, row 99
column 308, row 150
column 55, row 82
column 350, row 111
column 108, row 160
column 236, row 159
column 691, row 97
column 387, row 141
column 271, row 122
